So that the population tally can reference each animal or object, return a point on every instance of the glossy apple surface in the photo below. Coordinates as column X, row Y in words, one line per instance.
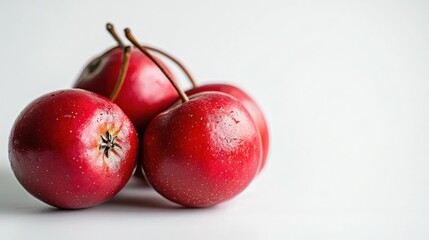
column 250, row 104
column 202, row 152
column 73, row 149
column 145, row 91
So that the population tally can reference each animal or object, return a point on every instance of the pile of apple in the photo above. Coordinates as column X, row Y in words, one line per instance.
column 76, row 148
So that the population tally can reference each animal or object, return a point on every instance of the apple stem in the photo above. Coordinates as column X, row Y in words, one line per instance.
column 122, row 74
column 177, row 62
column 111, row 29
column 130, row 37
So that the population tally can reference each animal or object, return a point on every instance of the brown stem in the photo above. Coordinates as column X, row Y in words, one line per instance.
column 111, row 29
column 181, row 66
column 130, row 37
column 122, row 74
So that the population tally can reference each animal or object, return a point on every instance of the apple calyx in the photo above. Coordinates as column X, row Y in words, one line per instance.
column 98, row 63
column 94, row 65
column 143, row 49
column 108, row 143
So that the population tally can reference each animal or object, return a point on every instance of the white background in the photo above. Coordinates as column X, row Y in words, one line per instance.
column 344, row 85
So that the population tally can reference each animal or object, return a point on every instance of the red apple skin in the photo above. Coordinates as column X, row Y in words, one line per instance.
column 250, row 104
column 202, row 152
column 146, row 91
column 54, row 149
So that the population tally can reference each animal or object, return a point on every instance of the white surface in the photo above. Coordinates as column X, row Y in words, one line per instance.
column 344, row 85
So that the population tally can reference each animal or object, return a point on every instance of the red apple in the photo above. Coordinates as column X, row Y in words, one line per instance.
column 145, row 90
column 201, row 152
column 249, row 104
column 73, row 149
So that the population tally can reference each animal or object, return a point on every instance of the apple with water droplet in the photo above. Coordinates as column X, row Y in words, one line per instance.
column 134, row 83
column 202, row 151
column 249, row 103
column 73, row 149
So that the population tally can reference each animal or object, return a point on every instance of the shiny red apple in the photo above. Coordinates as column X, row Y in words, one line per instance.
column 144, row 91
column 250, row 104
column 202, row 151
column 73, row 149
